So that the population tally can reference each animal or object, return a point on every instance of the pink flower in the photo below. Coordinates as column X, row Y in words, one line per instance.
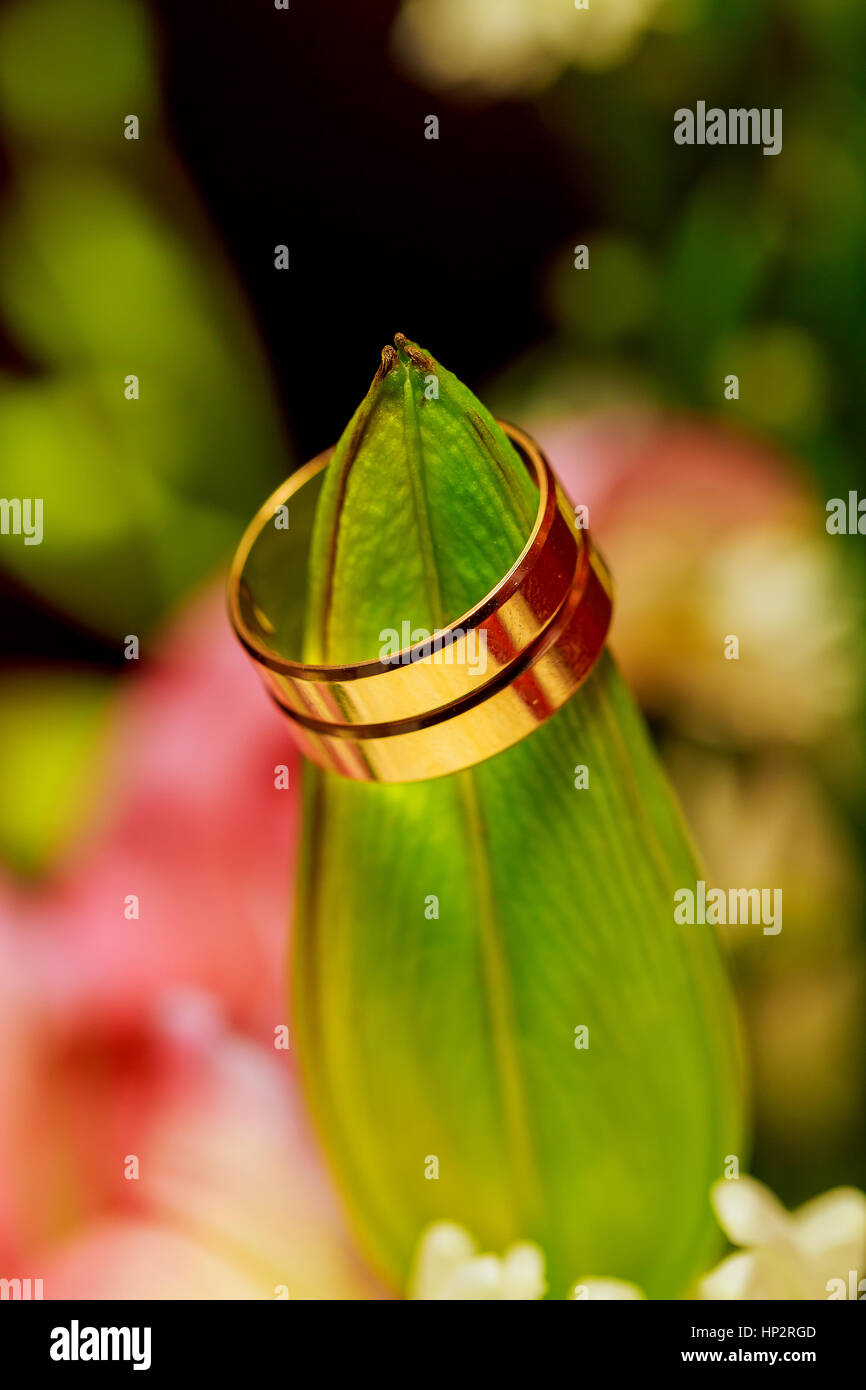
column 711, row 535
column 152, row 1138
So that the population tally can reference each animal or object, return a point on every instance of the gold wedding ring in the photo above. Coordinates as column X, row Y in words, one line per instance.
column 433, row 707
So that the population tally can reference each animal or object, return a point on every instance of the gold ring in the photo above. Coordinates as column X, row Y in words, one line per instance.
column 433, row 707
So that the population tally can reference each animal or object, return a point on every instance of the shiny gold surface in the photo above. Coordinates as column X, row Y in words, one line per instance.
column 424, row 712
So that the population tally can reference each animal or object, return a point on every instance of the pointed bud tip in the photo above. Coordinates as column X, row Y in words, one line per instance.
column 409, row 352
column 389, row 360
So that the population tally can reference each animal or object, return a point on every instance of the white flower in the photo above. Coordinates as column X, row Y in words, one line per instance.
column 789, row 1255
column 606, row 1290
column 449, row 1266
column 500, row 46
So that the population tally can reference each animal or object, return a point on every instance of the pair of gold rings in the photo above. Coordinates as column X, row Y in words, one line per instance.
column 434, row 707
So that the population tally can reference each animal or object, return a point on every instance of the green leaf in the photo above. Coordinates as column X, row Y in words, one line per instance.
column 454, row 1036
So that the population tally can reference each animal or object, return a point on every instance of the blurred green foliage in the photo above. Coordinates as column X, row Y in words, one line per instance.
column 52, row 734
column 714, row 260
column 107, row 270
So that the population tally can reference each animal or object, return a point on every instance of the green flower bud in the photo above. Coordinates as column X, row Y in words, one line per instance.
column 499, row 1022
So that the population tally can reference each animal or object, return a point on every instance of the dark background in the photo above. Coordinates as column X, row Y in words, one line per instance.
column 302, row 133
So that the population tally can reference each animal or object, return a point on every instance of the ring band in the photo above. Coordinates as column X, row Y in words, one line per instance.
column 433, row 707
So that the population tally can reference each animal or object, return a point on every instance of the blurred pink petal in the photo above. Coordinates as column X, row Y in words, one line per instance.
column 154, row 1037
column 231, row 1200
column 192, row 824
column 642, row 465
column 709, row 534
